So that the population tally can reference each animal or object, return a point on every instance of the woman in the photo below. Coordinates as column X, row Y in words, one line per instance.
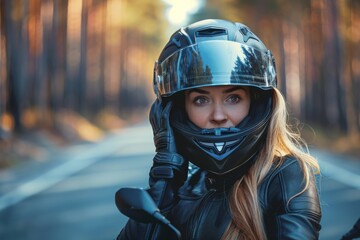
column 227, row 165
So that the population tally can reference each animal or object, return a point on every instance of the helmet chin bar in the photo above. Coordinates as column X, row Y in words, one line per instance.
column 222, row 150
column 219, row 150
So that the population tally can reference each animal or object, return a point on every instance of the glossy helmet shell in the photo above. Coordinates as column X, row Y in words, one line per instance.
column 216, row 53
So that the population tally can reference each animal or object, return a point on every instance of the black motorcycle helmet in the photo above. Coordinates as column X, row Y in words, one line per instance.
column 215, row 53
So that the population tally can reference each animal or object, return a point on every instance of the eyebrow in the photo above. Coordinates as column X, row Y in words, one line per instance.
column 233, row 89
column 198, row 90
column 201, row 91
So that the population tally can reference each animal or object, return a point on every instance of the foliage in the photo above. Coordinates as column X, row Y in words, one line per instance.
column 81, row 56
column 91, row 57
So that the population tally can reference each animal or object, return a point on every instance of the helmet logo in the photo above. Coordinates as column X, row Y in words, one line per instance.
column 219, row 146
column 219, row 150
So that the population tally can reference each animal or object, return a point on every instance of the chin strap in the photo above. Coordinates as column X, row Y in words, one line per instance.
column 219, row 131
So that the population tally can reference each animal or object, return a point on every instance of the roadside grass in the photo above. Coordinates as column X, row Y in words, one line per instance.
column 332, row 140
column 38, row 143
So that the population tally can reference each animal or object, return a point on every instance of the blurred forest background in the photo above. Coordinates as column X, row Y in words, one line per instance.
column 71, row 70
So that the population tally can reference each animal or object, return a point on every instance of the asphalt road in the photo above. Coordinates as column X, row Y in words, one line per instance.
column 72, row 196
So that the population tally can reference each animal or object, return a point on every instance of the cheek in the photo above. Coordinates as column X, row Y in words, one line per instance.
column 198, row 116
column 238, row 113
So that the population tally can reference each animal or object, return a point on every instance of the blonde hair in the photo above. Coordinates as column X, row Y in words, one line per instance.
column 247, row 220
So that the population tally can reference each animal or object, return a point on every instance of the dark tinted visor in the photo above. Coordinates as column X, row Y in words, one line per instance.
column 214, row 63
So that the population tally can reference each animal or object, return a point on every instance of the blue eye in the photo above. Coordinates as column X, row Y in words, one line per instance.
column 233, row 99
column 200, row 100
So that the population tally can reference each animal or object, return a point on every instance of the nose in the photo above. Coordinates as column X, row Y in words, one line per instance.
column 219, row 116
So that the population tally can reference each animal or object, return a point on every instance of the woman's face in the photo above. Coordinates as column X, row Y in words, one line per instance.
column 218, row 106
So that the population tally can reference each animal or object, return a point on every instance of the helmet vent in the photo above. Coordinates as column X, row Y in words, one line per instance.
column 211, row 34
column 220, row 149
column 246, row 34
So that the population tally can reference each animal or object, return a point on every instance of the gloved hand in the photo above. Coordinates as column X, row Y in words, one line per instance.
column 169, row 170
column 159, row 119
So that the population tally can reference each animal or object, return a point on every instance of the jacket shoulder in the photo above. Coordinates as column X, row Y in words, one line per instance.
column 285, row 182
column 290, row 206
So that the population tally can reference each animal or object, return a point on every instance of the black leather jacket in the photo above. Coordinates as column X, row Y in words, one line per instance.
column 202, row 211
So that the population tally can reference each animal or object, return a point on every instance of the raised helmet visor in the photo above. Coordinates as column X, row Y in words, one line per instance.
column 213, row 63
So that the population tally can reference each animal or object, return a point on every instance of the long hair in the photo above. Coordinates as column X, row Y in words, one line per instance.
column 247, row 220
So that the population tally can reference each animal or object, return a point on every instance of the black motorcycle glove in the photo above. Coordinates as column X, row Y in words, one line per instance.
column 169, row 170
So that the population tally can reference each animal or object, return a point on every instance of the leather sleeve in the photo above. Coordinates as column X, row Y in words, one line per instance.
column 286, row 216
column 136, row 230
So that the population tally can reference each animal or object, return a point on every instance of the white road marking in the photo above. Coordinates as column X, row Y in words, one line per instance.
column 346, row 171
column 340, row 174
column 83, row 157
column 80, row 159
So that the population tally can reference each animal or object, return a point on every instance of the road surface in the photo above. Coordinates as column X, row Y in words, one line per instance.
column 72, row 195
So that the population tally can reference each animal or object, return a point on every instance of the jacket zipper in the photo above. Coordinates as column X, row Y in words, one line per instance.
column 201, row 211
